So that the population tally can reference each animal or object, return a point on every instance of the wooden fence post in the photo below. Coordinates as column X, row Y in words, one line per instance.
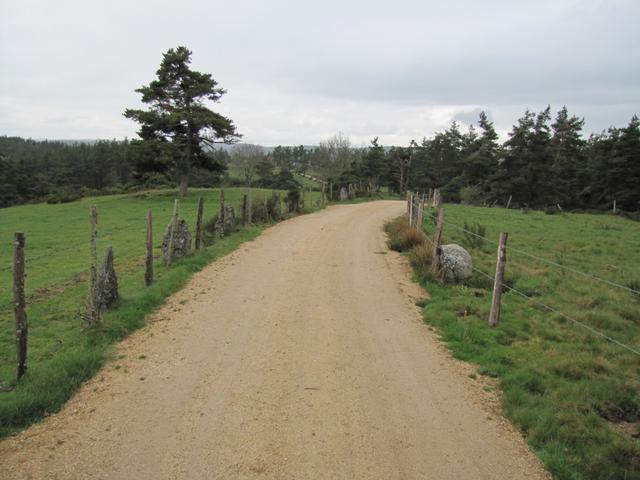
column 410, row 209
column 494, row 316
column 92, row 315
column 331, row 191
column 249, row 209
column 436, row 264
column 19, row 305
column 148, row 272
column 509, row 201
column 324, row 199
column 172, row 229
column 244, row 210
column 199, row 224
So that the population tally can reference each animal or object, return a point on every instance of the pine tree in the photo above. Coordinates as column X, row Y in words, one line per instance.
column 178, row 125
column 480, row 157
column 569, row 159
column 624, row 170
column 373, row 164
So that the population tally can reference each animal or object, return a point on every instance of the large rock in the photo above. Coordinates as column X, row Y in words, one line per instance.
column 106, row 282
column 456, row 263
column 181, row 241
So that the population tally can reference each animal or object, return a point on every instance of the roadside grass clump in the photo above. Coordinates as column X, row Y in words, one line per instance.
column 421, row 257
column 62, row 354
column 402, row 236
column 575, row 395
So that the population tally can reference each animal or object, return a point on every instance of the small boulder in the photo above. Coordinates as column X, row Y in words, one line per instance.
column 456, row 263
column 106, row 282
column 181, row 241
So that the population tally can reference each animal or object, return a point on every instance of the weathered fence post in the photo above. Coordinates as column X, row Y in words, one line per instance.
column 19, row 305
column 198, row 243
column 249, row 209
column 279, row 206
column 509, row 201
column 494, row 315
column 244, row 210
column 324, row 198
column 331, row 191
column 148, row 272
column 436, row 265
column 410, row 209
column 172, row 230
column 92, row 315
column 614, row 207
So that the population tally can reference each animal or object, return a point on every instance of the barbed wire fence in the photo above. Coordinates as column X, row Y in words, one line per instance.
column 416, row 214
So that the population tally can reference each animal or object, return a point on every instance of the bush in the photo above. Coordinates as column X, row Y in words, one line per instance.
column 65, row 195
column 293, row 200
column 474, row 235
column 259, row 212
column 273, row 208
column 471, row 195
column 402, row 236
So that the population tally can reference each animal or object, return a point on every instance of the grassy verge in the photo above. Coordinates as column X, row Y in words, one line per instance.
column 574, row 395
column 61, row 354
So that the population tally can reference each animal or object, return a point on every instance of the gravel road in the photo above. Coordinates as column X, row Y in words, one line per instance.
column 301, row 355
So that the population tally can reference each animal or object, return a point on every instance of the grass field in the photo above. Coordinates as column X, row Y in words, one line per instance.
column 574, row 394
column 61, row 354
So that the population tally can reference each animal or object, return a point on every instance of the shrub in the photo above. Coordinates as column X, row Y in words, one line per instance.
column 64, row 195
column 474, row 235
column 402, row 236
column 258, row 212
column 293, row 200
column 471, row 195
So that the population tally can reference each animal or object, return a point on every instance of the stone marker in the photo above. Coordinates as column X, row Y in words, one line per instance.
column 181, row 244
column 107, row 282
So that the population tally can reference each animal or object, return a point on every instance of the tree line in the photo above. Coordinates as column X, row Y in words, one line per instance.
column 544, row 162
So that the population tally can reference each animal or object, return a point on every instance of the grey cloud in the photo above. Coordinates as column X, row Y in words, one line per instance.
column 297, row 71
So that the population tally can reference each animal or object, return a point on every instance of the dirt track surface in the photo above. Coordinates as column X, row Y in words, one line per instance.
column 299, row 356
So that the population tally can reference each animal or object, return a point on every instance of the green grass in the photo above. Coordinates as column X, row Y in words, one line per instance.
column 61, row 354
column 568, row 390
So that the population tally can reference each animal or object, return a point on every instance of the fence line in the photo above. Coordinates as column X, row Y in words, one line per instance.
column 556, row 311
column 547, row 261
column 499, row 283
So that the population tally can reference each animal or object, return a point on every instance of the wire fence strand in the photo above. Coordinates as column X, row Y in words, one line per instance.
column 558, row 312
column 549, row 262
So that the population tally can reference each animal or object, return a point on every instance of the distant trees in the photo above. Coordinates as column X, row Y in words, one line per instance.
column 58, row 171
column 246, row 156
column 546, row 161
column 178, row 126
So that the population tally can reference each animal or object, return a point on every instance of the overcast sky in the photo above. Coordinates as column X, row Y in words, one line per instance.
column 298, row 71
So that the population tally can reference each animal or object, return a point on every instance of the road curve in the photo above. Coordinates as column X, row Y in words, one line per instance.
column 299, row 356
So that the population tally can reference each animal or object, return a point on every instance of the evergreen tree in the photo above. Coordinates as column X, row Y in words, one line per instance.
column 569, row 159
column 265, row 170
column 623, row 174
column 514, row 175
column 178, row 125
column 373, row 164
